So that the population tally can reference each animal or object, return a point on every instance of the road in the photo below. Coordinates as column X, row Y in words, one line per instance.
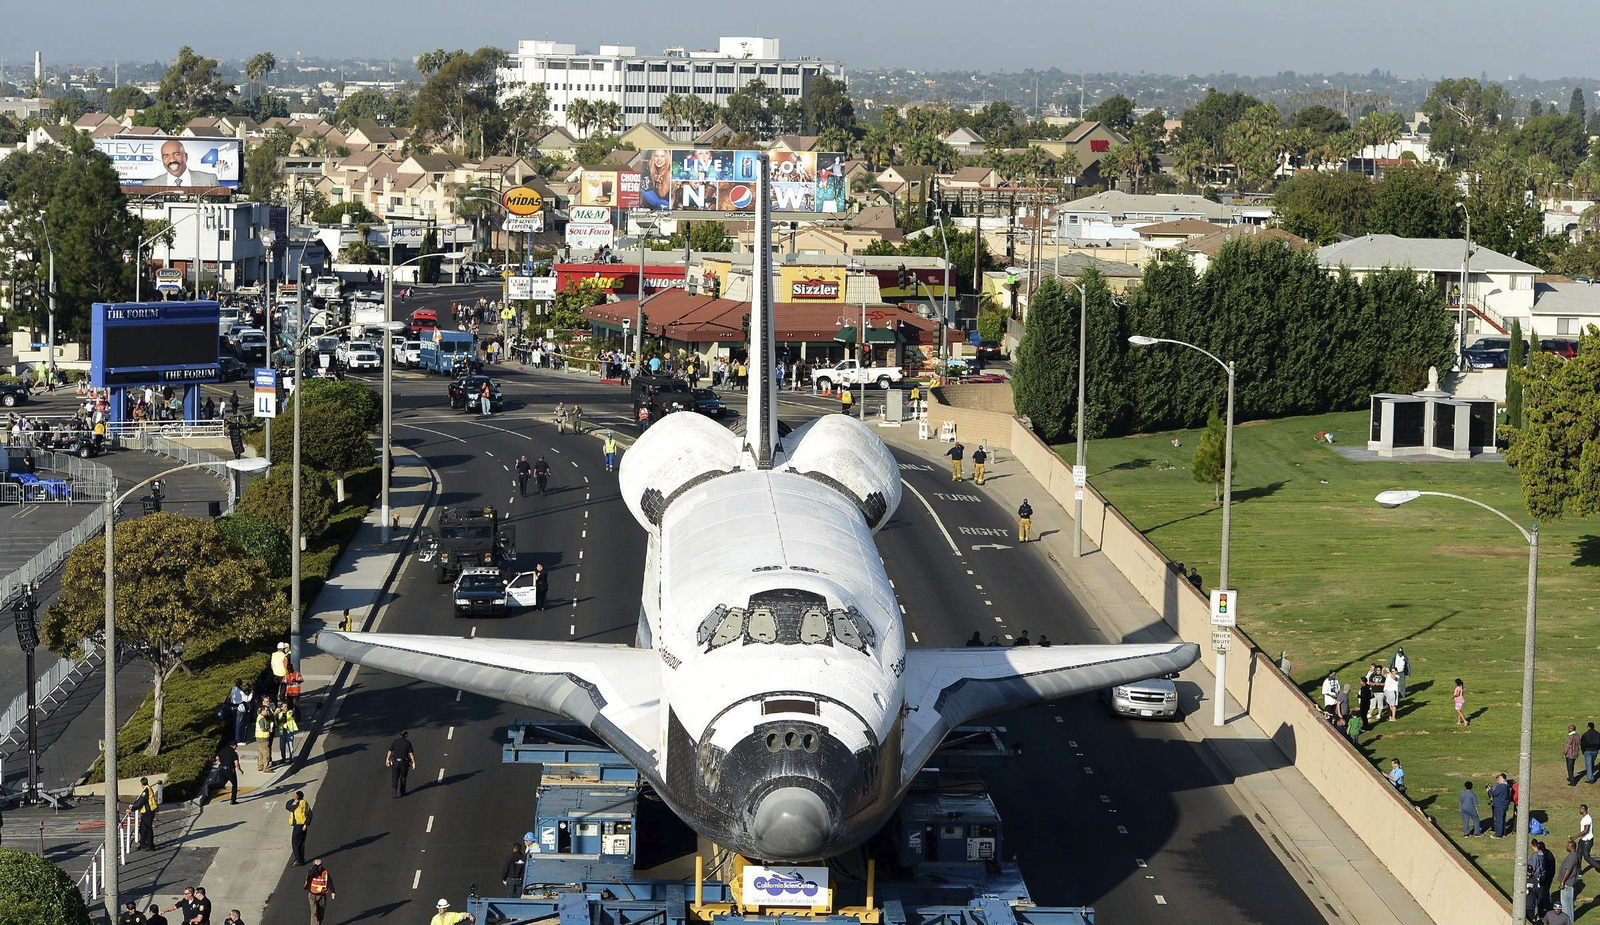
column 1128, row 817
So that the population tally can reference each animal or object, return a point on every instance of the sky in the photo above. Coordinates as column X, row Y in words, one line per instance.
column 1247, row 37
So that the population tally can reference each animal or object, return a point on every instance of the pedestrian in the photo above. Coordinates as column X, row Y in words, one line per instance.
column 131, row 915
column 515, row 865
column 980, row 456
column 443, row 915
column 319, row 889
column 1023, row 640
column 541, row 587
column 484, row 400
column 1401, row 664
column 1044, row 641
column 280, row 665
column 1499, row 802
column 1194, row 579
column 541, row 474
column 1567, row 879
column 265, row 727
column 1330, row 691
column 146, row 806
column 846, row 398
column 1341, row 705
column 299, row 809
column 153, row 916
column 239, row 699
column 184, row 906
column 976, row 640
column 287, row 727
column 1024, row 521
column 234, row 918
column 401, row 760
column 1391, row 693
column 1547, row 875
column 228, row 770
column 1397, row 775
column 1590, row 743
column 524, row 470
column 955, row 453
column 609, row 448
column 1352, row 729
column 201, row 907
column 1569, row 751
column 1536, row 872
column 1586, row 837
column 1459, row 698
column 1467, row 801
column 994, row 640
column 292, row 683
column 1364, row 697
column 1374, row 681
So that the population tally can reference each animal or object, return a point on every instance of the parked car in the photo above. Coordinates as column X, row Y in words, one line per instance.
column 990, row 350
column 12, row 395
column 408, row 353
column 1153, row 698
column 1488, row 353
column 1560, row 347
column 230, row 369
column 709, row 403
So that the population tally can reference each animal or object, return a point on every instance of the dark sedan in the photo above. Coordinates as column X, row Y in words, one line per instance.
column 465, row 392
column 231, row 370
column 12, row 395
column 1488, row 353
column 709, row 403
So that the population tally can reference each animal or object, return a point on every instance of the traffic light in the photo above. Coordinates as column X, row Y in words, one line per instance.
column 644, row 323
column 716, row 287
column 905, row 278
column 745, row 323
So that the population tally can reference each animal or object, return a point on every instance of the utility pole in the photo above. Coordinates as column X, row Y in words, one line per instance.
column 26, row 611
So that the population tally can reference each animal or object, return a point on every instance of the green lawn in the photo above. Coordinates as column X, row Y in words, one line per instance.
column 1337, row 582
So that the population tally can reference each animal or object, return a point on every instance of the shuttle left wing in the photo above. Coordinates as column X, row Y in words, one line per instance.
column 614, row 690
column 948, row 687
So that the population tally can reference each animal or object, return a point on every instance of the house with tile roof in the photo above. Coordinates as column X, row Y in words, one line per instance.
column 1498, row 288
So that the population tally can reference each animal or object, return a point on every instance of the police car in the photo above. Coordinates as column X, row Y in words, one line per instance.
column 480, row 591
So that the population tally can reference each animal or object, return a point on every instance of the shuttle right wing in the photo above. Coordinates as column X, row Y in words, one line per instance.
column 948, row 687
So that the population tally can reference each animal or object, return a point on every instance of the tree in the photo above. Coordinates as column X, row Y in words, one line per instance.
column 428, row 265
column 1210, row 455
column 191, row 83
column 1416, row 201
column 580, row 113
column 1461, row 113
column 1556, row 451
column 458, row 98
column 262, row 171
column 33, row 891
column 749, row 109
column 179, row 582
column 708, row 236
column 607, row 116
column 1251, row 142
column 1044, row 383
column 828, row 106
column 126, row 97
column 1576, row 106
column 336, row 213
column 334, row 440
column 346, row 393
column 380, row 107
column 259, row 66
column 1562, row 139
column 258, row 538
column 1209, row 121
column 1320, row 120
column 271, row 497
column 1116, row 112
column 1516, row 362
column 571, row 301
column 1321, row 206
column 69, row 108
column 527, row 114
column 162, row 115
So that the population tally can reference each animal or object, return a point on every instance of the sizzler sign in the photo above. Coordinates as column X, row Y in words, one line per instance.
column 814, row 289
column 523, row 201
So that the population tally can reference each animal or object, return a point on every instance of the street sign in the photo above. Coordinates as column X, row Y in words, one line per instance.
column 522, row 201
column 1224, row 608
column 169, row 280
column 590, row 215
column 1221, row 641
column 266, row 378
column 1080, row 476
column 525, row 223
column 266, row 393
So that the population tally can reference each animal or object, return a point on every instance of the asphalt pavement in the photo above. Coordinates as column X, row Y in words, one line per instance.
column 1127, row 817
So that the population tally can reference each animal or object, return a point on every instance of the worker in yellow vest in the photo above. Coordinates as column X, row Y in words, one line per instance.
column 445, row 917
column 299, row 810
column 146, row 807
column 846, row 399
column 264, row 730
column 610, row 450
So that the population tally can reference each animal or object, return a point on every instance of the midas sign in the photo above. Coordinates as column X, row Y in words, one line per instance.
column 811, row 284
column 522, row 201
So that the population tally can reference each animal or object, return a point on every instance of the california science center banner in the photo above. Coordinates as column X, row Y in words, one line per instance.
column 178, row 163
column 725, row 181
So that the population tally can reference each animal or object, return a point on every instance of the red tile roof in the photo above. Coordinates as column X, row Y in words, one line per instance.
column 678, row 315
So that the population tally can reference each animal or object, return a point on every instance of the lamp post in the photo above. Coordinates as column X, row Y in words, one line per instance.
column 1080, row 468
column 109, row 652
column 50, row 341
column 861, row 344
column 1218, row 709
column 1466, row 279
column 645, row 228
column 138, row 254
column 390, row 325
column 1519, row 873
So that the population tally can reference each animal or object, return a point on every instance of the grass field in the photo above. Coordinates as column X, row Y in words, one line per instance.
column 1336, row 582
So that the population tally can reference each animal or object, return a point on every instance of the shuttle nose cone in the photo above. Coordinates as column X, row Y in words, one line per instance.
column 791, row 824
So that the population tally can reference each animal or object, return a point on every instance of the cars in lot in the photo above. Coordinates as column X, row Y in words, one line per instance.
column 709, row 403
column 1561, row 347
column 464, row 393
column 1488, row 353
column 408, row 353
column 12, row 394
column 480, row 592
column 1152, row 698
column 990, row 350
column 231, row 369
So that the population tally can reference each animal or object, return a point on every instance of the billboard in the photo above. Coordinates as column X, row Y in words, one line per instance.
column 153, row 343
column 590, row 237
column 176, row 163
column 531, row 287
column 811, row 284
column 724, row 181
column 609, row 186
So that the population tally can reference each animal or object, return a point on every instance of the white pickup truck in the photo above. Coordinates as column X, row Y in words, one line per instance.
column 850, row 373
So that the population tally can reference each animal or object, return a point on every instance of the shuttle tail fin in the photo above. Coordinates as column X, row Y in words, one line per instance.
column 761, row 414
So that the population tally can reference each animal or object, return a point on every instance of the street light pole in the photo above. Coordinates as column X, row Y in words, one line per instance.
column 1219, row 714
column 294, row 490
column 1079, row 468
column 388, row 388
column 1519, row 872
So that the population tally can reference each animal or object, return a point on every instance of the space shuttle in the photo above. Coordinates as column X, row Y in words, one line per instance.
column 769, row 697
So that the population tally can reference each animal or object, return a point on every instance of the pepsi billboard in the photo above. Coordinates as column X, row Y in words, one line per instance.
column 699, row 180
column 153, row 343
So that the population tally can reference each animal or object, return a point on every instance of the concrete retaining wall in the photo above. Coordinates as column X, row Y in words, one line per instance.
column 1424, row 862
column 974, row 425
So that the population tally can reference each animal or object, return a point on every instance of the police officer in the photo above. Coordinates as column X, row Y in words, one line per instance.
column 979, row 457
column 147, row 815
column 956, row 453
column 401, row 759
column 541, row 474
column 1024, row 521
column 524, row 469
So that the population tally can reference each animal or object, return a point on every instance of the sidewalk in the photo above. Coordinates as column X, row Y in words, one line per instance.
column 1321, row 851
column 244, row 840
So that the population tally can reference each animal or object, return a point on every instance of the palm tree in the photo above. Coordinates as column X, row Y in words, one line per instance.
column 259, row 66
column 1189, row 160
column 580, row 113
column 607, row 116
column 672, row 112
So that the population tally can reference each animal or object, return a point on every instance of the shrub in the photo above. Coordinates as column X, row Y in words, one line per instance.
column 36, row 892
column 259, row 537
column 272, row 497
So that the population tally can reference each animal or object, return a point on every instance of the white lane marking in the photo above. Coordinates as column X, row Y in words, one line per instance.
column 585, row 481
column 1008, row 635
column 585, row 497
column 1160, row 900
column 471, row 635
column 574, row 465
column 418, row 878
column 572, row 630
column 428, row 431
column 996, row 619
column 902, row 609
column 985, row 603
column 1104, row 797
column 577, row 576
column 552, row 449
column 585, row 517
column 1058, row 719
column 430, row 822
column 1071, row 742
column 1122, row 829
column 1139, row 861
column 891, row 581
column 979, row 587
column 448, row 733
column 585, row 536
column 458, row 693
column 502, row 465
column 485, row 452
column 441, row 770
column 913, row 635
column 580, row 552
column 953, row 547
column 969, row 571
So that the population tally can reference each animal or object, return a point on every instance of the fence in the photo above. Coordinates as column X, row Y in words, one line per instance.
column 53, row 685
column 134, row 430
column 92, row 883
